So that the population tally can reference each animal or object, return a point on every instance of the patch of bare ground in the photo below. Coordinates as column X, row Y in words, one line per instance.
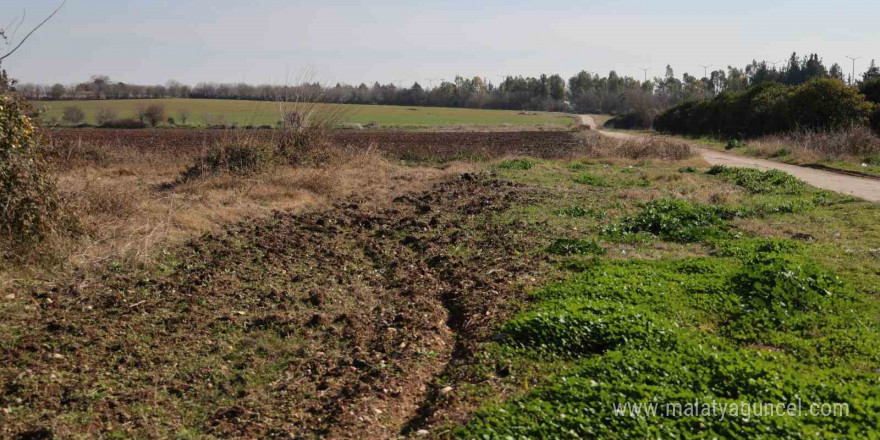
column 329, row 324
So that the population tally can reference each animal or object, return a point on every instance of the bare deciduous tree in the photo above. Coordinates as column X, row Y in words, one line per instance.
column 183, row 115
column 106, row 114
column 154, row 114
column 14, row 47
column 73, row 115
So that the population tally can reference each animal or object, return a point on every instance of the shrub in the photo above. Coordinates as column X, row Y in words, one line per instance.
column 759, row 182
column 242, row 157
column 29, row 205
column 820, row 104
column 105, row 114
column 73, row 115
column 673, row 220
column 154, row 114
column 567, row 246
column 828, row 104
column 871, row 90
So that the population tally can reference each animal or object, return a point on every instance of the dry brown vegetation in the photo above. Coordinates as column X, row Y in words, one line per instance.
column 654, row 147
column 853, row 145
column 131, row 204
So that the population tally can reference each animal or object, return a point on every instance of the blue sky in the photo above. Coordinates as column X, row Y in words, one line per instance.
column 391, row 40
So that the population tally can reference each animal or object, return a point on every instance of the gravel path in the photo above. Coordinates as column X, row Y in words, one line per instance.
column 868, row 189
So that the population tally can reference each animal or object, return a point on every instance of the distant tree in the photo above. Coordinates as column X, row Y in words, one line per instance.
column 793, row 74
column 154, row 114
column 73, row 115
column 57, row 91
column 106, row 114
column 836, row 72
column 873, row 72
column 98, row 85
column 557, row 87
column 813, row 68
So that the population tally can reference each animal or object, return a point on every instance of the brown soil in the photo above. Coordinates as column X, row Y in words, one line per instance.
column 322, row 325
column 399, row 144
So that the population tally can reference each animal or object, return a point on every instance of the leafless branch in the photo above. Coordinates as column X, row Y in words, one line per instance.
column 20, row 43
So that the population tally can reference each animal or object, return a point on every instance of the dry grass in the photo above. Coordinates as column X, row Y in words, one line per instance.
column 653, row 147
column 128, row 214
column 854, row 144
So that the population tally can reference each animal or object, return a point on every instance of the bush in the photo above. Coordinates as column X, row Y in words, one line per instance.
column 871, row 90
column 154, row 114
column 828, row 104
column 124, row 123
column 820, row 104
column 242, row 157
column 106, row 114
column 73, row 115
column 29, row 205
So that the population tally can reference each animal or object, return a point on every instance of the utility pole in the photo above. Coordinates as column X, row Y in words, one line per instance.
column 646, row 72
column 705, row 70
column 852, row 78
column 774, row 63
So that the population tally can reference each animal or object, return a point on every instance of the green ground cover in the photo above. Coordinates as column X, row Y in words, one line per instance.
column 214, row 112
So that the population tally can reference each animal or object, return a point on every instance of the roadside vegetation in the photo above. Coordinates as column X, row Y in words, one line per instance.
column 488, row 297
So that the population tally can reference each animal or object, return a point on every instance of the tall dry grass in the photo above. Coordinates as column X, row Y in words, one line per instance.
column 596, row 145
column 129, row 215
column 855, row 144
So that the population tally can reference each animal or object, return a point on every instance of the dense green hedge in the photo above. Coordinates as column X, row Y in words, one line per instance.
column 821, row 104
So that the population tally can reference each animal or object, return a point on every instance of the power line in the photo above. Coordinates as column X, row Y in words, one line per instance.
column 852, row 78
column 646, row 72
column 705, row 70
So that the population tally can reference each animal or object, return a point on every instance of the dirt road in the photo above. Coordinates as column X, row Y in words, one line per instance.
column 868, row 189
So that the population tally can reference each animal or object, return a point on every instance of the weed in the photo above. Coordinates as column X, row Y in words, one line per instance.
column 516, row 164
column 580, row 212
column 759, row 182
column 567, row 246
column 589, row 179
column 734, row 143
column 673, row 220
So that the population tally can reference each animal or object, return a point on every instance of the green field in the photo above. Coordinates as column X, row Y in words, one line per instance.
column 214, row 112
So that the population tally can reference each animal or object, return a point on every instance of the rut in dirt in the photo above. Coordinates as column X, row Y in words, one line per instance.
column 321, row 325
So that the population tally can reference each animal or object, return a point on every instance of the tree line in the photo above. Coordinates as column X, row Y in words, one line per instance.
column 585, row 92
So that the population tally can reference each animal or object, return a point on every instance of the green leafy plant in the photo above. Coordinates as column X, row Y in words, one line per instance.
column 759, row 182
column 29, row 204
column 516, row 164
column 673, row 220
column 567, row 246
column 589, row 179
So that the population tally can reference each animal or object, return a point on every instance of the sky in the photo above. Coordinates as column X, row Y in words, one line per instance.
column 277, row 42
